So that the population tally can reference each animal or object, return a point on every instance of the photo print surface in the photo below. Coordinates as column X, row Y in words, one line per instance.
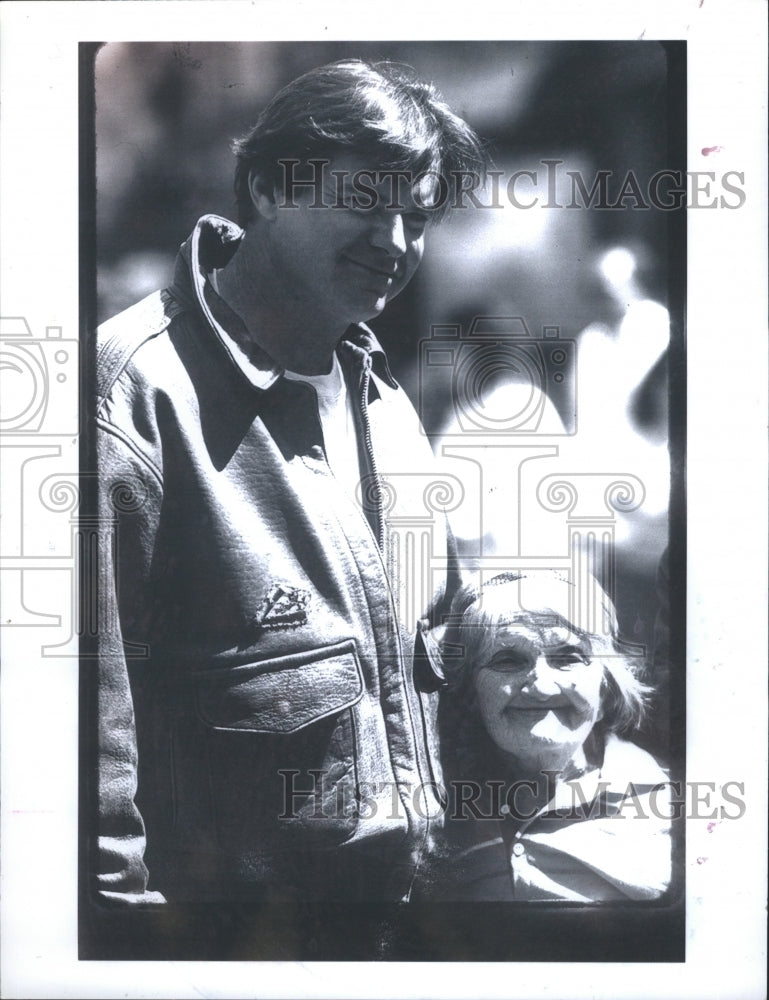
column 384, row 472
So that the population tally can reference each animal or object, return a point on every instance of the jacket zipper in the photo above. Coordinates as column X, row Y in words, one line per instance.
column 366, row 426
column 371, row 461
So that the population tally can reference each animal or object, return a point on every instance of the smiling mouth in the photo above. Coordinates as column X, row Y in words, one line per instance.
column 375, row 271
column 537, row 711
column 530, row 715
column 529, row 710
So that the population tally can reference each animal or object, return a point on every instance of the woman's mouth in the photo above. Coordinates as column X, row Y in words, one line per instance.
column 528, row 711
column 531, row 714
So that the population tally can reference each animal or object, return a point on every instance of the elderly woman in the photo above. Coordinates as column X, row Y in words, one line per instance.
column 548, row 799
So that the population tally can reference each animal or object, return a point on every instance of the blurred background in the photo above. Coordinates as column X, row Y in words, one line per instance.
column 595, row 278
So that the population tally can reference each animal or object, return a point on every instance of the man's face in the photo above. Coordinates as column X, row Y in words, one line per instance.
column 342, row 261
column 539, row 691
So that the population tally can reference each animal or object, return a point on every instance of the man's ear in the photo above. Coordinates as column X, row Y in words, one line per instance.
column 262, row 196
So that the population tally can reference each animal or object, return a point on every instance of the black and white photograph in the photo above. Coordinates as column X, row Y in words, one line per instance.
column 338, row 666
column 362, row 527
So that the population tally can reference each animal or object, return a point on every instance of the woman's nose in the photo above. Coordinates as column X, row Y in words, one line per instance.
column 542, row 680
column 388, row 232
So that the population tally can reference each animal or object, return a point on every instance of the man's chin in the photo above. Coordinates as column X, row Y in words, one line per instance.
column 373, row 309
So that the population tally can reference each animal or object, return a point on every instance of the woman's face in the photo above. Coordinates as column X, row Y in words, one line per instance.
column 539, row 691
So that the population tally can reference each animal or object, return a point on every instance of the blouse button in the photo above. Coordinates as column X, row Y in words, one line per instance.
column 518, row 849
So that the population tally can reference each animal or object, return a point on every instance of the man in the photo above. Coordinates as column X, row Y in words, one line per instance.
column 259, row 722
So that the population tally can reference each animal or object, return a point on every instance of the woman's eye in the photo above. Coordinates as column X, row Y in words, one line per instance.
column 509, row 664
column 569, row 660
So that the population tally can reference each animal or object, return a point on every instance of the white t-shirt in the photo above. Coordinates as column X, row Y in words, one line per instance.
column 334, row 407
column 338, row 423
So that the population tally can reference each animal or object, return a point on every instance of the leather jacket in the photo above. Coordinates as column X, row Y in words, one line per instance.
column 259, row 721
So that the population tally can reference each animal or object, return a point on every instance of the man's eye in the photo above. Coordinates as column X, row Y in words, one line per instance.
column 415, row 221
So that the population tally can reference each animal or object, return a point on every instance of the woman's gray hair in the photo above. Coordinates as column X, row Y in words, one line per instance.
column 478, row 609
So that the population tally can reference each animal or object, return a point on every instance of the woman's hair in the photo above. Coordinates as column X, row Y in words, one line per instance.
column 380, row 111
column 478, row 609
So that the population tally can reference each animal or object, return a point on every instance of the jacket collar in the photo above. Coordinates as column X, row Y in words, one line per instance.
column 622, row 762
column 212, row 244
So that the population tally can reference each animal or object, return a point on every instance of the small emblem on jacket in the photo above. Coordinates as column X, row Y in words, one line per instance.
column 283, row 607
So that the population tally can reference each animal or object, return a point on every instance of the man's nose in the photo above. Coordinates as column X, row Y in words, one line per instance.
column 388, row 233
column 542, row 680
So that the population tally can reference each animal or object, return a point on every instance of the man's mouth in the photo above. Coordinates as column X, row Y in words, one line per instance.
column 381, row 274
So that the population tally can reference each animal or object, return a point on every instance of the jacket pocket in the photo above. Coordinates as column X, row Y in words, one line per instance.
column 280, row 748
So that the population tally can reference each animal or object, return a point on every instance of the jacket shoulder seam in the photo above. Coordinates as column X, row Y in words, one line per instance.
column 126, row 333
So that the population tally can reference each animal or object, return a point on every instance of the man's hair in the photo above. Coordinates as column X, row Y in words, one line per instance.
column 477, row 610
column 380, row 111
